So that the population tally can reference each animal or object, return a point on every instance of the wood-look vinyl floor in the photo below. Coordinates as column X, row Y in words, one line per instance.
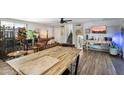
column 118, row 63
column 95, row 63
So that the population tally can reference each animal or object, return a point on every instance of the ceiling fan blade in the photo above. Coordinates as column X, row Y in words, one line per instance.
column 62, row 21
column 68, row 20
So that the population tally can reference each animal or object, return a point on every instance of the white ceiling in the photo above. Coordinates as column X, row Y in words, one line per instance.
column 55, row 21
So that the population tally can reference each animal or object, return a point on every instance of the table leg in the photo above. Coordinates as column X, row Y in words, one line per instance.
column 77, row 62
column 71, row 69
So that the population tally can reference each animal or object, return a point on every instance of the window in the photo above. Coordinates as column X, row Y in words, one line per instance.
column 11, row 24
column 15, row 24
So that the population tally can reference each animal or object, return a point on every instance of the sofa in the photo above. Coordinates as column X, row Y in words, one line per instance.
column 45, row 43
column 67, row 45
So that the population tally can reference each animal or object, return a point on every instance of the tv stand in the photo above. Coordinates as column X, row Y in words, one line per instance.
column 99, row 45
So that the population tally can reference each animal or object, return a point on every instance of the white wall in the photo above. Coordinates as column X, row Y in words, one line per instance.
column 112, row 27
column 109, row 33
column 57, row 34
column 103, row 22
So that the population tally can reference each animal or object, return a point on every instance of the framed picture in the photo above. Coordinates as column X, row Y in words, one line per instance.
column 99, row 29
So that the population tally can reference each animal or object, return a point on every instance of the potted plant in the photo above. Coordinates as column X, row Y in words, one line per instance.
column 22, row 36
column 113, row 49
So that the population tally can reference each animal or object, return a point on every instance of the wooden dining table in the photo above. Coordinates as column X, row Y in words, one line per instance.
column 52, row 61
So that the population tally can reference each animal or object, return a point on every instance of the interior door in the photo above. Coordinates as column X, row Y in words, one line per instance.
column 57, row 34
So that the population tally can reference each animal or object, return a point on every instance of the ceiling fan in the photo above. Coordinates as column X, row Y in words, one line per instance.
column 62, row 20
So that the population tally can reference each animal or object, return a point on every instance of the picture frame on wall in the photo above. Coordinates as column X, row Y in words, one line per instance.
column 99, row 29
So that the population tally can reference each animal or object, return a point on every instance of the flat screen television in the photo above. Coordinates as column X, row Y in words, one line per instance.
column 99, row 29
